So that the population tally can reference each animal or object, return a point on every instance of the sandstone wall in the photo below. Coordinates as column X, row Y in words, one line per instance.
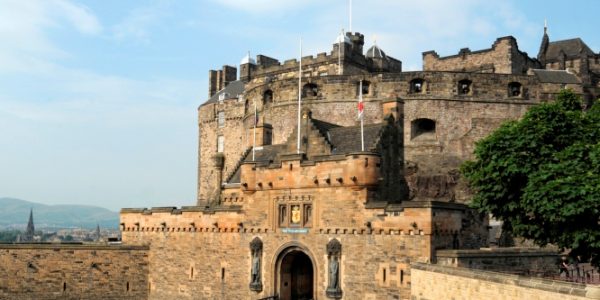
column 221, row 263
column 504, row 57
column 60, row 271
column 439, row 282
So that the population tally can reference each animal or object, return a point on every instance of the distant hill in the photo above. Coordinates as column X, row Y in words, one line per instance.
column 15, row 213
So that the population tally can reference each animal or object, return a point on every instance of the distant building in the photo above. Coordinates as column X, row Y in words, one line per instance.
column 29, row 234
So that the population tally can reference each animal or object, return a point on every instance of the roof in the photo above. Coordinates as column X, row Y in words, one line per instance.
column 571, row 47
column 248, row 60
column 555, row 76
column 347, row 139
column 232, row 90
column 375, row 52
column 342, row 38
column 343, row 140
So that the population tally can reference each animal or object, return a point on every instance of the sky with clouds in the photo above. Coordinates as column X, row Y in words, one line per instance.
column 98, row 98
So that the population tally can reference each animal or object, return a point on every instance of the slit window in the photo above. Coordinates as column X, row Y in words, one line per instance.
column 310, row 90
column 267, row 97
column 366, row 87
column 464, row 87
column 417, row 86
column 515, row 89
column 423, row 128
column 221, row 119
column 222, row 274
column 220, row 143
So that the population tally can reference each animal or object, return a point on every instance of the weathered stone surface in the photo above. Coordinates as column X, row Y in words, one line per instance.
column 62, row 271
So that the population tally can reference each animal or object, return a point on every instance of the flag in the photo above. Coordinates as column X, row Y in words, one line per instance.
column 361, row 105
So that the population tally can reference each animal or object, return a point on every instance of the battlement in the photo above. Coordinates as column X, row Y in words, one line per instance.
column 355, row 170
column 346, row 57
column 503, row 57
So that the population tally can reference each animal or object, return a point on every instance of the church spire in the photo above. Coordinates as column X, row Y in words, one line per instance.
column 29, row 233
column 544, row 45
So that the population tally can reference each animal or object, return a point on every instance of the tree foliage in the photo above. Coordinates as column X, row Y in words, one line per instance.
column 541, row 175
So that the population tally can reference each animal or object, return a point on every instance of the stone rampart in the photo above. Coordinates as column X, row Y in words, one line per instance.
column 442, row 282
column 73, row 271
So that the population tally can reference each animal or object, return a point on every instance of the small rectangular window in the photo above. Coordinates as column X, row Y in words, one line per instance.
column 220, row 143
column 221, row 118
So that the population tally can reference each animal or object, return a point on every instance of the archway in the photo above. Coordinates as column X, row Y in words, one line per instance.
column 295, row 275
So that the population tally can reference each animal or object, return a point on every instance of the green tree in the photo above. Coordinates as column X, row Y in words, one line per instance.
column 541, row 175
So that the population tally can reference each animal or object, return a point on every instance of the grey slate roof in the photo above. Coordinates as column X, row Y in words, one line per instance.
column 375, row 52
column 344, row 140
column 571, row 47
column 555, row 76
column 347, row 139
column 233, row 90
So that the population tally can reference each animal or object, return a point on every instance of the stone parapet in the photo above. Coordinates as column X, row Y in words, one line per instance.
column 431, row 281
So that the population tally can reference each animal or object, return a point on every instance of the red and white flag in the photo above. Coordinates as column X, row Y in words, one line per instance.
column 361, row 105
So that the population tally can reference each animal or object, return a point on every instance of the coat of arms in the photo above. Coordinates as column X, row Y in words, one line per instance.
column 296, row 214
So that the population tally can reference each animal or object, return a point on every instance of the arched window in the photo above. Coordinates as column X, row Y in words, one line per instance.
column 267, row 97
column 310, row 90
column 423, row 129
column 515, row 89
column 464, row 87
column 366, row 87
column 417, row 86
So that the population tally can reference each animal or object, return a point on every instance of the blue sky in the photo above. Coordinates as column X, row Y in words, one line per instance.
column 98, row 98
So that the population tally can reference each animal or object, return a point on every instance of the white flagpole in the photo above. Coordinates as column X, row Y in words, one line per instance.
column 340, row 43
column 254, row 143
column 350, row 15
column 362, row 114
column 299, row 96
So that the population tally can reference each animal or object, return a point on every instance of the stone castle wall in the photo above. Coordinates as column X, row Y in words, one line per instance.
column 441, row 282
column 460, row 119
column 62, row 271
column 504, row 57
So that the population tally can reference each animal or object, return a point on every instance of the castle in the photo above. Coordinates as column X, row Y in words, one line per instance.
column 302, row 202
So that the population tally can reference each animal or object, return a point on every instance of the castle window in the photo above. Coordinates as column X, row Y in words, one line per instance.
column 220, row 143
column 267, row 97
column 221, row 119
column 246, row 106
column 423, row 129
column 310, row 90
column 464, row 87
column 515, row 89
column 417, row 86
column 366, row 87
column 307, row 215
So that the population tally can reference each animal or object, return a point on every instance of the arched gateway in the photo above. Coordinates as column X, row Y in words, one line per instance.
column 295, row 274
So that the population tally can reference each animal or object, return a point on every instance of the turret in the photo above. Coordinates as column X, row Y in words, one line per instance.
column 544, row 46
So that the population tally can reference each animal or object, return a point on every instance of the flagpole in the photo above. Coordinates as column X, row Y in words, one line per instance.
column 350, row 15
column 299, row 96
column 254, row 142
column 340, row 43
column 362, row 114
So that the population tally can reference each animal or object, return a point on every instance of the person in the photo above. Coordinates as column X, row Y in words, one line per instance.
column 563, row 266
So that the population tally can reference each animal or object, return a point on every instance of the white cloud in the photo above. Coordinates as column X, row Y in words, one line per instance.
column 79, row 16
column 140, row 21
column 24, row 26
column 266, row 6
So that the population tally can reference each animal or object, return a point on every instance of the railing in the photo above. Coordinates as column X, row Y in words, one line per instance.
column 584, row 273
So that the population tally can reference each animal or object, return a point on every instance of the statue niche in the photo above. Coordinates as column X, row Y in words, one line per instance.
column 334, row 254
column 255, row 273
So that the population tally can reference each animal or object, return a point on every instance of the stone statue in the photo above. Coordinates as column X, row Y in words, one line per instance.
column 334, row 267
column 334, row 252
column 255, row 268
column 255, row 274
